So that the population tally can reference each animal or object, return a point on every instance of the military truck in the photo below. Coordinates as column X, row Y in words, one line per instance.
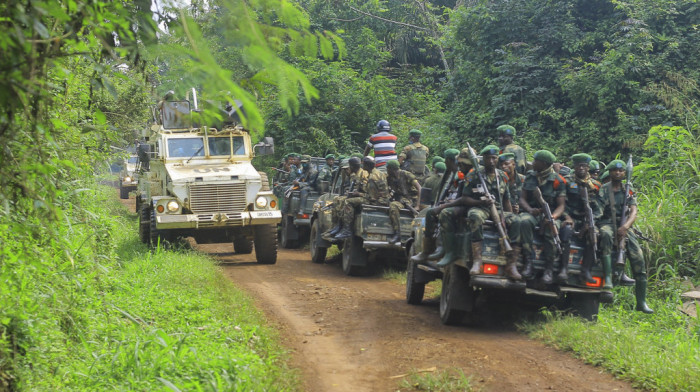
column 460, row 290
column 369, row 244
column 128, row 177
column 198, row 181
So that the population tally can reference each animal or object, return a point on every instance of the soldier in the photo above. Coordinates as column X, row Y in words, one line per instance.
column 350, row 180
column 404, row 189
column 553, row 189
column 515, row 179
column 575, row 214
column 594, row 169
column 307, row 181
column 445, row 191
column 611, row 199
column 476, row 197
column 433, row 181
column 414, row 156
column 326, row 173
column 506, row 133
column 383, row 143
column 374, row 190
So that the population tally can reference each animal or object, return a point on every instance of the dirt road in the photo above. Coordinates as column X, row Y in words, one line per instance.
column 354, row 334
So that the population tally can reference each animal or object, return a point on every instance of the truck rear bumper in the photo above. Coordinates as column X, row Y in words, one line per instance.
column 218, row 220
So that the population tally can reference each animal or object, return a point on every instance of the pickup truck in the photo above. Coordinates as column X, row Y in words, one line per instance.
column 460, row 290
column 368, row 246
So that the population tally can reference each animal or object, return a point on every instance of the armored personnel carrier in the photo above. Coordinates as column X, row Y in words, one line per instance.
column 199, row 181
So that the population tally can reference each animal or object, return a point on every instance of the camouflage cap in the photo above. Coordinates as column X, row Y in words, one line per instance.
column 464, row 156
column 506, row 129
column 545, row 156
column 451, row 153
column 506, row 157
column 593, row 165
column 330, row 156
column 616, row 164
column 415, row 132
column 392, row 164
column 440, row 167
column 581, row 158
column 345, row 163
column 306, row 158
column 489, row 150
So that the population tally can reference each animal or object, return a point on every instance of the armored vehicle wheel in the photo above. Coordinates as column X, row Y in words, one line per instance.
column 265, row 244
column 585, row 306
column 414, row 290
column 318, row 253
column 144, row 225
column 286, row 233
column 156, row 236
column 354, row 254
column 123, row 192
column 265, row 181
column 457, row 297
column 242, row 245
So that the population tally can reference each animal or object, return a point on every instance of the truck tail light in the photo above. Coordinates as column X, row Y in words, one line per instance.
column 598, row 282
column 303, row 216
column 490, row 269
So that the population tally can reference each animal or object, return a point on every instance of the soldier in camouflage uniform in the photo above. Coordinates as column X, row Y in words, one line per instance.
column 611, row 198
column 553, row 188
column 354, row 176
column 293, row 175
column 374, row 190
column 480, row 209
column 575, row 213
column 433, row 181
column 594, row 169
column 506, row 133
column 516, row 180
column 414, row 156
column 326, row 173
column 404, row 189
column 307, row 181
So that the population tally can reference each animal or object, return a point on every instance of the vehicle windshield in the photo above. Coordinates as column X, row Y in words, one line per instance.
column 186, row 147
column 221, row 145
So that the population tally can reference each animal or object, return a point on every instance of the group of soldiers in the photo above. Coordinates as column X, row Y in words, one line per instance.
column 561, row 201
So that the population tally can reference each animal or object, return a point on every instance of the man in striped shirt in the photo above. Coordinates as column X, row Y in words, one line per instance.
column 384, row 145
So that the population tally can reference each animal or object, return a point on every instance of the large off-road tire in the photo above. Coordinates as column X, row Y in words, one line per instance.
column 156, row 236
column 455, row 290
column 585, row 306
column 145, row 224
column 318, row 253
column 414, row 290
column 265, row 244
column 286, row 228
column 242, row 245
column 123, row 192
column 265, row 181
column 354, row 253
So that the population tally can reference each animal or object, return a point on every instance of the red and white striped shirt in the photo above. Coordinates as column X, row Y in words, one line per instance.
column 384, row 145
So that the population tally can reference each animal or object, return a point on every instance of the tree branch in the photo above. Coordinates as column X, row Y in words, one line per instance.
column 386, row 20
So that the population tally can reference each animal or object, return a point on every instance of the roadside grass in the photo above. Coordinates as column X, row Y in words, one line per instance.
column 128, row 318
column 443, row 381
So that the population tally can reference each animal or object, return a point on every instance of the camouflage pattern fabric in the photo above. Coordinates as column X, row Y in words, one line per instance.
column 402, row 186
column 395, row 214
column 452, row 219
column 515, row 188
column 575, row 205
column 349, row 206
column 415, row 156
column 478, row 215
column 552, row 188
column 520, row 160
column 527, row 229
column 377, row 191
column 634, row 251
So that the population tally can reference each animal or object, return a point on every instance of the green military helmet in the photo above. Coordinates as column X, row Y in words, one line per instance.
column 506, row 129
column 415, row 133
column 440, row 167
column 593, row 166
column 545, row 156
column 616, row 164
column 451, row 153
column 581, row 158
column 293, row 155
column 436, row 159
column 341, row 157
column 330, row 156
column 392, row 164
column 489, row 150
column 604, row 176
column 506, row 157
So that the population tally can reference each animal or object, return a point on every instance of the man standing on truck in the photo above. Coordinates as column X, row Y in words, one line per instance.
column 374, row 192
column 404, row 189
column 576, row 214
column 612, row 199
column 506, row 133
column 477, row 198
column 306, row 182
column 383, row 143
column 552, row 187
column 433, row 181
column 516, row 180
column 353, row 177
column 414, row 156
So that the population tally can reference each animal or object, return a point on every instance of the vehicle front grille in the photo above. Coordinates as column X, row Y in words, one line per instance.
column 211, row 198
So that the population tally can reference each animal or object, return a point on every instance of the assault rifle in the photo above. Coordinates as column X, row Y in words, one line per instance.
column 495, row 215
column 549, row 217
column 622, row 244
column 279, row 170
column 591, row 235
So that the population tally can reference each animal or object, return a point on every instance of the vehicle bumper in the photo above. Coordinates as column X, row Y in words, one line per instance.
column 218, row 220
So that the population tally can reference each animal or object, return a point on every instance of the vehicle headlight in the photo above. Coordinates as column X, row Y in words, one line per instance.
column 261, row 202
column 173, row 206
column 127, row 179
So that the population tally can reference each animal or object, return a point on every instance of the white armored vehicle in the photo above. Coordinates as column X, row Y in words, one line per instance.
column 199, row 182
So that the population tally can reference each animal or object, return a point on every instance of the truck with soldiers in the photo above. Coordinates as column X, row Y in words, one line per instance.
column 198, row 181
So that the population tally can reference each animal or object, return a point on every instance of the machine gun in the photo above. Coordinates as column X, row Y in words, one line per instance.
column 549, row 217
column 495, row 215
column 622, row 244
column 591, row 235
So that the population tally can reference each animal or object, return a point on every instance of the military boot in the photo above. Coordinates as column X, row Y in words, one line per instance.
column 346, row 232
column 438, row 254
column 476, row 258
column 607, row 271
column 335, row 230
column 511, row 260
column 624, row 279
column 640, row 293
column 586, row 268
column 428, row 247
column 449, row 243
column 529, row 270
column 563, row 275
column 547, row 276
column 396, row 237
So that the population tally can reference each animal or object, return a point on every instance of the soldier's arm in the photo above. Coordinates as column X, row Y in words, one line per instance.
column 402, row 156
column 418, row 188
column 525, row 205
column 561, row 206
column 507, row 207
